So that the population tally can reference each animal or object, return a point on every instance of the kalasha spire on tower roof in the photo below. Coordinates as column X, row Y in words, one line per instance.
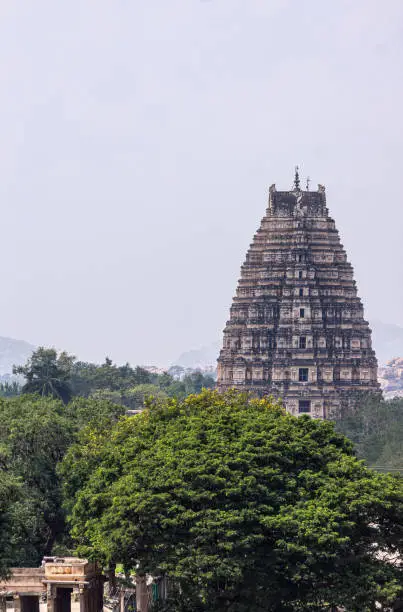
column 297, row 182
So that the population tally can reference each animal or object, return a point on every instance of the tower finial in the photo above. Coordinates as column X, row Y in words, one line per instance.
column 297, row 184
column 308, row 181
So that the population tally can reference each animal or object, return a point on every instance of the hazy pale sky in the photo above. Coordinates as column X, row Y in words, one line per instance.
column 138, row 142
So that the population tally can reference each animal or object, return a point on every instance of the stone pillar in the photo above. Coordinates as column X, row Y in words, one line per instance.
column 43, row 606
column 85, row 599
column 111, row 576
column 16, row 602
column 141, row 594
column 76, row 597
column 50, row 598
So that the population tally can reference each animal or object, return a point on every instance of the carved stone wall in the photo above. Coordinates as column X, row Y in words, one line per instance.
column 297, row 327
column 61, row 584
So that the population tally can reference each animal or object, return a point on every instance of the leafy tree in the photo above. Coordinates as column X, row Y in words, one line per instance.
column 82, row 411
column 62, row 377
column 88, row 378
column 10, row 389
column 163, row 380
column 47, row 373
column 136, row 397
column 245, row 507
column 132, row 398
column 190, row 383
column 9, row 493
column 177, row 389
column 116, row 397
column 196, row 381
column 376, row 428
column 34, row 435
column 129, row 386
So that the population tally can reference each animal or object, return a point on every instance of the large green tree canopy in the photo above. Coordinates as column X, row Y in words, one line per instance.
column 47, row 373
column 243, row 506
column 9, row 493
column 376, row 428
column 35, row 433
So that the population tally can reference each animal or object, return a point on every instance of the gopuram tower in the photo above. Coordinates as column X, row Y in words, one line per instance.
column 296, row 327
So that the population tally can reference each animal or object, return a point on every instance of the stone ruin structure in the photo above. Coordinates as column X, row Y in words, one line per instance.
column 69, row 584
column 61, row 584
column 297, row 329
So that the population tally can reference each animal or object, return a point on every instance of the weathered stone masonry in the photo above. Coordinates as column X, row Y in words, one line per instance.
column 61, row 584
column 296, row 327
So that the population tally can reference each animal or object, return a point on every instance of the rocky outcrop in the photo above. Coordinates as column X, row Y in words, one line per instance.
column 391, row 378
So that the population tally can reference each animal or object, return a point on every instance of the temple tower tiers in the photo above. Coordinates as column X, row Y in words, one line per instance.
column 296, row 327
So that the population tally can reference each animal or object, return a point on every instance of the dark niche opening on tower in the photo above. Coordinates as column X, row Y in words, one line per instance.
column 301, row 292
column 302, row 313
column 302, row 342
column 304, row 406
column 303, row 375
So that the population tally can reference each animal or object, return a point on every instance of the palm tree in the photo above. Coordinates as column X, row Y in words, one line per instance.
column 46, row 373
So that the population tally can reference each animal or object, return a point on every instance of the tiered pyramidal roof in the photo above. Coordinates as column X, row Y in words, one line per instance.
column 297, row 328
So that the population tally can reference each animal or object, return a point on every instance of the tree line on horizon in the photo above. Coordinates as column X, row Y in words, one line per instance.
column 62, row 376
column 373, row 424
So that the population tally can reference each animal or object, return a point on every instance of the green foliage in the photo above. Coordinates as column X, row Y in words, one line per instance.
column 245, row 507
column 136, row 397
column 35, row 433
column 133, row 398
column 88, row 378
column 10, row 389
column 47, row 374
column 131, row 386
column 81, row 411
column 36, row 430
column 191, row 383
column 376, row 428
column 63, row 377
column 9, row 493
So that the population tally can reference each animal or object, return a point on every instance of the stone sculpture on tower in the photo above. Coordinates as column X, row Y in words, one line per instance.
column 297, row 328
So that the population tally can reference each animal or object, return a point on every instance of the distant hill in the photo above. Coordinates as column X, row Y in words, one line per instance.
column 387, row 341
column 199, row 358
column 13, row 352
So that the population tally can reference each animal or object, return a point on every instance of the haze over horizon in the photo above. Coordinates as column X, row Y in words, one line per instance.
column 138, row 144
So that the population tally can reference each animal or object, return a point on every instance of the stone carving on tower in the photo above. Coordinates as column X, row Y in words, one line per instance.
column 297, row 328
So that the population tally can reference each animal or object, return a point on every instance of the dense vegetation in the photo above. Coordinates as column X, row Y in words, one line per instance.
column 38, row 423
column 376, row 428
column 9, row 492
column 63, row 377
column 245, row 507
column 10, row 389
column 35, row 433
column 231, row 491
